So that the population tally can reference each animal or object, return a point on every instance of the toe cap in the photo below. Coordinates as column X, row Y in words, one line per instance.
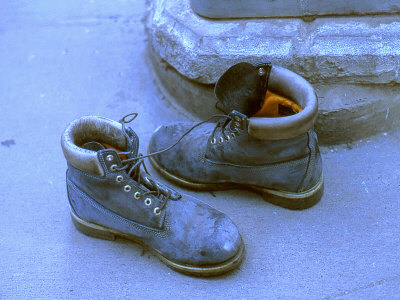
column 202, row 236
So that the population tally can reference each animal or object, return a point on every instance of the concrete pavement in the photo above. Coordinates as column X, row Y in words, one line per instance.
column 60, row 60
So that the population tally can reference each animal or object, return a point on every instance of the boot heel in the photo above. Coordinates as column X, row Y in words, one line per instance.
column 295, row 201
column 92, row 229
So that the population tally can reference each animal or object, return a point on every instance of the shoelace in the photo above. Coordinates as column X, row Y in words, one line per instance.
column 132, row 165
column 222, row 124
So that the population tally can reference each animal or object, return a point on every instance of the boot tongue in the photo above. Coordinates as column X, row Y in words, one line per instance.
column 242, row 88
column 94, row 146
column 132, row 144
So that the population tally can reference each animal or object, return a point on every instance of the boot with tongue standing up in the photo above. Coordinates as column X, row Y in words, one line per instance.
column 264, row 142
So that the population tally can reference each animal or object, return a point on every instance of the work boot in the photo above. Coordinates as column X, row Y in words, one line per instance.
column 111, row 196
column 264, row 141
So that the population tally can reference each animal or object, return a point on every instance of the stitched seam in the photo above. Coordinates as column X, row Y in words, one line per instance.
column 275, row 165
column 107, row 172
column 86, row 174
column 100, row 178
column 134, row 137
column 159, row 232
column 129, row 181
column 311, row 163
column 104, row 163
column 300, row 187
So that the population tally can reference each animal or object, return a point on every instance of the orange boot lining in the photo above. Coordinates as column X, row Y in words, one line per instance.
column 277, row 106
column 118, row 150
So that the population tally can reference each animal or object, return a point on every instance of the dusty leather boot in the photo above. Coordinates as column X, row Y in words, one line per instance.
column 265, row 142
column 111, row 196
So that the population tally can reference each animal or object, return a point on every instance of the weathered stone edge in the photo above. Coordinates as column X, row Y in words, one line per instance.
column 336, row 124
column 354, row 50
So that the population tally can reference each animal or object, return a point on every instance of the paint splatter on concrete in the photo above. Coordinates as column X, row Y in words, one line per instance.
column 8, row 143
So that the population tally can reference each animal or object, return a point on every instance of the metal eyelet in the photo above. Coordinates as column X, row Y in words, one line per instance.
column 220, row 139
column 110, row 157
column 157, row 211
column 137, row 195
column 227, row 138
column 119, row 178
column 213, row 141
column 113, row 168
column 233, row 135
column 261, row 71
column 127, row 188
column 147, row 201
column 235, row 131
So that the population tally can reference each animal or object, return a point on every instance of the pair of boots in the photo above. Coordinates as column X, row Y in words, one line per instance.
column 265, row 143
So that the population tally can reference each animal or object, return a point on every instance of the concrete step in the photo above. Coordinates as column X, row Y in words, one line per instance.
column 353, row 62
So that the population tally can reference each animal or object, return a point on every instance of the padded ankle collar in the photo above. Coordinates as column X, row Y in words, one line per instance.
column 85, row 129
column 288, row 84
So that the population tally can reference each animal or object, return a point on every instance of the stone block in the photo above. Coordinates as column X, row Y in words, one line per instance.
column 353, row 60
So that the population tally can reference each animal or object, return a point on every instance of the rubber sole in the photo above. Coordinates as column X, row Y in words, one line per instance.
column 290, row 200
column 102, row 232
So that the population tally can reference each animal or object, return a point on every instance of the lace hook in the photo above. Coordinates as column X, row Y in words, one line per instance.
column 128, row 118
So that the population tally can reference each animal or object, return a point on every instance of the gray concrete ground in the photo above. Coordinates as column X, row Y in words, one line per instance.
column 60, row 60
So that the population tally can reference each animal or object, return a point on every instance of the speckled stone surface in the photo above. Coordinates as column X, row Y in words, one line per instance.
column 351, row 49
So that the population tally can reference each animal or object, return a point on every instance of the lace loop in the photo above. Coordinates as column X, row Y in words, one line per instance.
column 125, row 119
column 222, row 124
column 132, row 164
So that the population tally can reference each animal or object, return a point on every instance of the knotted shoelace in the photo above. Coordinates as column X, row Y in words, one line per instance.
column 132, row 165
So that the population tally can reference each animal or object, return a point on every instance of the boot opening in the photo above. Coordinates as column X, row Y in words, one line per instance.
column 96, row 146
column 107, row 146
column 277, row 106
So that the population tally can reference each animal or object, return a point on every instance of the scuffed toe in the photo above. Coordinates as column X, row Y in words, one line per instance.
column 227, row 240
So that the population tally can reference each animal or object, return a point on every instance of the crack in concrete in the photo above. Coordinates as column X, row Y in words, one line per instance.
column 363, row 287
